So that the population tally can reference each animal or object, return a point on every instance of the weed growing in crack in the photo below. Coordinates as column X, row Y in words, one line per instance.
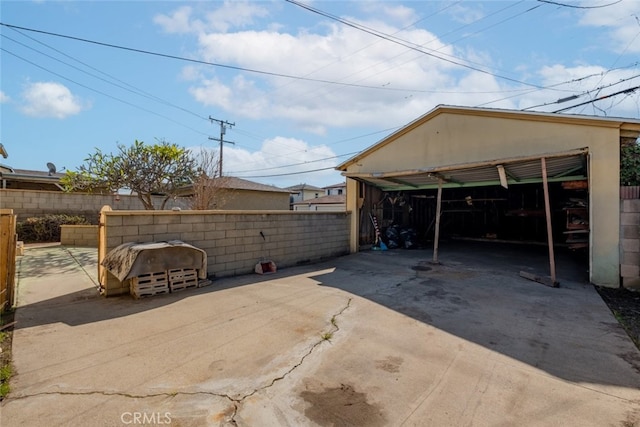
column 334, row 322
column 327, row 336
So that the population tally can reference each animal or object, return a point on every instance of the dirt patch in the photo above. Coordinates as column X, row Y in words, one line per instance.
column 342, row 406
column 625, row 306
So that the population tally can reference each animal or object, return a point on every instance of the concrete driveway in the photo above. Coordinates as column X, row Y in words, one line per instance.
column 370, row 339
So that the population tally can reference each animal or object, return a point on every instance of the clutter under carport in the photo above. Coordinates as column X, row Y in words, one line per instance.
column 158, row 267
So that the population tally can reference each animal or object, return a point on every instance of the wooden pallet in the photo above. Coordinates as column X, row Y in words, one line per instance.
column 182, row 278
column 149, row 284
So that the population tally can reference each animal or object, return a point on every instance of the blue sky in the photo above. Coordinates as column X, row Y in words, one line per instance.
column 305, row 89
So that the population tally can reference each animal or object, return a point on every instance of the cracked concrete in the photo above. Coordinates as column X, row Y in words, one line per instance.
column 468, row 342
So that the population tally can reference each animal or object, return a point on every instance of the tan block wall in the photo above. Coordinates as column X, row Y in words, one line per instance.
column 34, row 203
column 79, row 235
column 232, row 239
column 630, row 243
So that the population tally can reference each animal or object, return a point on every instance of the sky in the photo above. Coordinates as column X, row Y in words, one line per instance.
column 297, row 87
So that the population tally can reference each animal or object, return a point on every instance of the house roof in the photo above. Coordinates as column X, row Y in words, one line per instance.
column 628, row 127
column 233, row 183
column 30, row 176
column 324, row 200
column 302, row 187
column 340, row 185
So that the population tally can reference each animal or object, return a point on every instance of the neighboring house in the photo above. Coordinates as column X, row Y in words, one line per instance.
column 301, row 192
column 333, row 203
column 22, row 179
column 240, row 194
column 499, row 175
column 336, row 189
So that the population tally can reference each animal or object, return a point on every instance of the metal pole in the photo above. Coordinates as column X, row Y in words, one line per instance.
column 547, row 211
column 437, row 230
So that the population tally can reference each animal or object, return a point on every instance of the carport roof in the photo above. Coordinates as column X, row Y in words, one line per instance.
column 567, row 166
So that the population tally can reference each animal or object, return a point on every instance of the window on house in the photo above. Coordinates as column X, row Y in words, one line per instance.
column 339, row 191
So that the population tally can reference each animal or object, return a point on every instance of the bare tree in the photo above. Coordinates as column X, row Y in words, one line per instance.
column 210, row 190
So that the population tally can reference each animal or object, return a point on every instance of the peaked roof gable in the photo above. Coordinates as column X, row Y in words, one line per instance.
column 628, row 126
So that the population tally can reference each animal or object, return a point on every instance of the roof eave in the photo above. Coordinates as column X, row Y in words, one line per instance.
column 628, row 127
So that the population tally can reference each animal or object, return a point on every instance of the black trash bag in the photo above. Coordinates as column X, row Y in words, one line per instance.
column 409, row 238
column 393, row 237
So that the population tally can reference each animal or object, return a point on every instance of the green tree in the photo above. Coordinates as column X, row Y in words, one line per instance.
column 146, row 170
column 630, row 164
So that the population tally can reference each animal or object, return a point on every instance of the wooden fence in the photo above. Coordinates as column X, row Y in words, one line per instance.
column 8, row 242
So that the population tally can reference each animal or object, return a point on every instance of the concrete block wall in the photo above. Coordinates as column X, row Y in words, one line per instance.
column 232, row 239
column 35, row 203
column 79, row 235
column 630, row 243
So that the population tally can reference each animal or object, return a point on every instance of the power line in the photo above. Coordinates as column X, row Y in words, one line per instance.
column 406, row 44
column 298, row 164
column 576, row 96
column 130, row 88
column 578, row 7
column 100, row 92
column 197, row 61
column 290, row 173
column 624, row 91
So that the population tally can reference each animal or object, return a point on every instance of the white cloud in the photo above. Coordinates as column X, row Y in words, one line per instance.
column 408, row 82
column 337, row 55
column 276, row 153
column 619, row 22
column 230, row 14
column 4, row 97
column 466, row 14
column 178, row 22
column 50, row 99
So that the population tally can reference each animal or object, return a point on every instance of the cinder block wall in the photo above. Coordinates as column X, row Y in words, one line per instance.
column 232, row 239
column 79, row 235
column 630, row 243
column 34, row 203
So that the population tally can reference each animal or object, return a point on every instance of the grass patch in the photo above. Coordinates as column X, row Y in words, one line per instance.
column 327, row 336
column 6, row 369
column 5, row 375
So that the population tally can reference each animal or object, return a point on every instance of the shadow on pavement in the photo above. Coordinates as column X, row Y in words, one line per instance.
column 477, row 294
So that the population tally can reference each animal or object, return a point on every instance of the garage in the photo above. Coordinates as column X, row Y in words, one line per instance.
column 496, row 175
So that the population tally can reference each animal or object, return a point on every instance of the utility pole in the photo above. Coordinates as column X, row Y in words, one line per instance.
column 223, row 129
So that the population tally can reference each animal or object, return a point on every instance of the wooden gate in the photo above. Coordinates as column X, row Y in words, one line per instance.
column 8, row 241
column 102, row 246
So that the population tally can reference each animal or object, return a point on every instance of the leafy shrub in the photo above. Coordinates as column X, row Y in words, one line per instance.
column 630, row 164
column 46, row 228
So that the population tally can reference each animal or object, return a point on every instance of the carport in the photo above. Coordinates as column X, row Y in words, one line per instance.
column 499, row 175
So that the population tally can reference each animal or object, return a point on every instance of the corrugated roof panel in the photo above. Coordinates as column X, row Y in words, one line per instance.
column 570, row 166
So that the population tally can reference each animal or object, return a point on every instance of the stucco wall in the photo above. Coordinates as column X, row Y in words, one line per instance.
column 450, row 139
column 232, row 239
column 79, row 235
column 630, row 243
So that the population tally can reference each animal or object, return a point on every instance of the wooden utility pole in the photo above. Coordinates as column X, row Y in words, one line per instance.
column 223, row 130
